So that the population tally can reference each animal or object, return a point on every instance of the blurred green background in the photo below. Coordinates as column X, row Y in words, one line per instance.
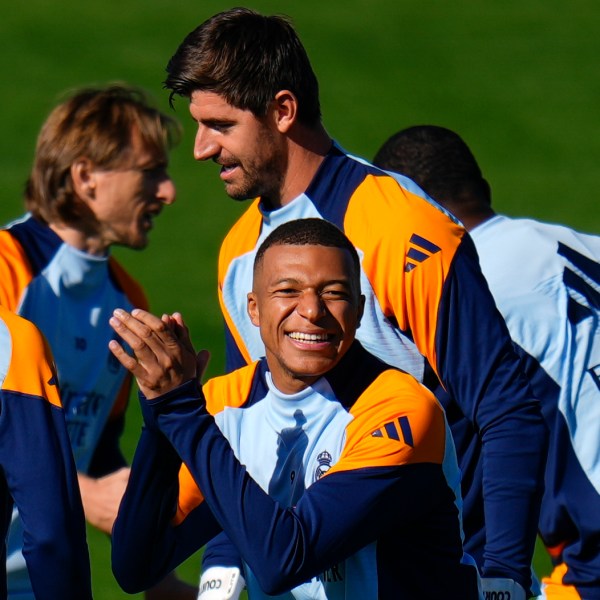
column 518, row 79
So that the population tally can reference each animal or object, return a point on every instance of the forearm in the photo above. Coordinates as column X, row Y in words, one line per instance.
column 147, row 545
column 489, row 386
column 43, row 485
column 513, row 475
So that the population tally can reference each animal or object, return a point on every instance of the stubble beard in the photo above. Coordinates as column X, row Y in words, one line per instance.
column 262, row 179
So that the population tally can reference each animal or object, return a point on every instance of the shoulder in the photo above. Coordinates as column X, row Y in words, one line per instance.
column 27, row 363
column 398, row 420
column 241, row 238
column 233, row 389
column 532, row 252
column 389, row 213
column 21, row 332
column 243, row 234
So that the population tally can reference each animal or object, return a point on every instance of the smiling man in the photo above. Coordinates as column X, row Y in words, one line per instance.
column 325, row 467
column 99, row 179
column 254, row 98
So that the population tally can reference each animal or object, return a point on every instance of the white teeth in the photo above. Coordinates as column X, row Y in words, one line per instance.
column 308, row 337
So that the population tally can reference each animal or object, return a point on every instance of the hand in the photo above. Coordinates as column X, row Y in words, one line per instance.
column 221, row 583
column 101, row 497
column 498, row 588
column 164, row 357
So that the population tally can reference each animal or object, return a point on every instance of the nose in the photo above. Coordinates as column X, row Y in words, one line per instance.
column 311, row 306
column 167, row 191
column 205, row 146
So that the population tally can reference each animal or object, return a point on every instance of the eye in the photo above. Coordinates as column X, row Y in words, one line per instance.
column 217, row 126
column 221, row 127
column 155, row 172
column 335, row 294
column 286, row 292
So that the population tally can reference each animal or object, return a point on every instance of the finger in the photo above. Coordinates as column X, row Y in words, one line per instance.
column 150, row 337
column 146, row 325
column 125, row 326
column 182, row 331
column 130, row 363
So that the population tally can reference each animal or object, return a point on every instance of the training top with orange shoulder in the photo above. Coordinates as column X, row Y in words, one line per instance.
column 37, row 469
column 70, row 296
column 347, row 489
column 427, row 305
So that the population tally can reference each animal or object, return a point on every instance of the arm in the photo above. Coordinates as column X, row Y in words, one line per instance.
column 40, row 472
column 147, row 542
column 335, row 517
column 491, row 390
column 45, row 492
column 425, row 274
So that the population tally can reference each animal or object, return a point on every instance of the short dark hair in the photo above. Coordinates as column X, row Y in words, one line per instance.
column 310, row 232
column 438, row 160
column 247, row 58
column 97, row 123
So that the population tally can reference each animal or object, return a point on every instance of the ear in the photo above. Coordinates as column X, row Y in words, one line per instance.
column 361, row 309
column 286, row 110
column 84, row 179
column 253, row 311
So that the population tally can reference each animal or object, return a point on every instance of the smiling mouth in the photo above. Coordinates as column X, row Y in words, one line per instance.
column 310, row 337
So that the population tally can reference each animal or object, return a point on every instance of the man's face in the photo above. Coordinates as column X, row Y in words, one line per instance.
column 250, row 150
column 126, row 200
column 308, row 307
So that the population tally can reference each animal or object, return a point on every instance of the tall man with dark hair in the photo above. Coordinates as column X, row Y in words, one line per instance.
column 546, row 281
column 254, row 97
column 99, row 179
column 326, row 467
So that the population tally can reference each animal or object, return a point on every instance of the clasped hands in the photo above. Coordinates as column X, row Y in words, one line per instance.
column 163, row 355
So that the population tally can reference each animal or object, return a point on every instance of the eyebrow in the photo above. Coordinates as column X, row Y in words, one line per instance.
column 344, row 282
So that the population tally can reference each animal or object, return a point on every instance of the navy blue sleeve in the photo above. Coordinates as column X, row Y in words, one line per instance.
column 482, row 373
column 40, row 474
column 221, row 552
column 334, row 518
column 146, row 543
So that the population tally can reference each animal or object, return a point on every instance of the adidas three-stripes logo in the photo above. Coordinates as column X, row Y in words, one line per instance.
column 420, row 250
column 398, row 430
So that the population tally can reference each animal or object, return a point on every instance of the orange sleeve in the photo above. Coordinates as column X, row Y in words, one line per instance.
column 397, row 421
column 31, row 370
column 15, row 271
column 408, row 246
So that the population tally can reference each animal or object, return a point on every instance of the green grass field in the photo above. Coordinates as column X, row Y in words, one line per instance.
column 518, row 79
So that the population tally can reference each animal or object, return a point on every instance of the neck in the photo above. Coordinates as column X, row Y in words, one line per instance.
column 80, row 239
column 307, row 149
column 471, row 221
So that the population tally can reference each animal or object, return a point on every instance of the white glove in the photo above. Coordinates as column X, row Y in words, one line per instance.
column 498, row 588
column 221, row 583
